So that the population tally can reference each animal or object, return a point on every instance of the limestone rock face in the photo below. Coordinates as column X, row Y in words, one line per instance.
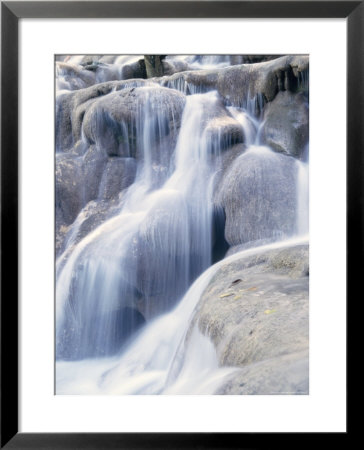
column 115, row 122
column 100, row 131
column 71, row 107
column 286, row 123
column 255, row 311
column 81, row 180
column 264, row 80
column 284, row 375
column 69, row 187
column 258, row 195
column 94, row 69
column 88, row 219
column 144, row 206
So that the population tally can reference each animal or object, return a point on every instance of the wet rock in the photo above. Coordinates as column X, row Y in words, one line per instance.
column 91, row 197
column 134, row 70
column 70, row 76
column 100, row 130
column 262, row 319
column 119, row 173
column 115, row 122
column 264, row 80
column 258, row 195
column 171, row 66
column 88, row 219
column 283, row 375
column 252, row 59
column 224, row 132
column 69, row 187
column 82, row 179
column 71, row 107
column 94, row 162
column 95, row 69
column 286, row 121
column 156, row 241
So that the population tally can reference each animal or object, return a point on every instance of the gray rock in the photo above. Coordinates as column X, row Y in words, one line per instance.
column 71, row 107
column 265, row 80
column 94, row 69
column 255, row 310
column 114, row 122
column 171, row 66
column 258, row 195
column 82, row 179
column 69, row 187
column 134, row 70
column 119, row 173
column 286, row 121
column 224, row 132
column 252, row 59
column 283, row 375
column 93, row 163
column 111, row 122
column 224, row 162
column 168, row 277
column 89, row 218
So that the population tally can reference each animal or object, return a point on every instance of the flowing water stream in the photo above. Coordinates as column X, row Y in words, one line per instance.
column 155, row 251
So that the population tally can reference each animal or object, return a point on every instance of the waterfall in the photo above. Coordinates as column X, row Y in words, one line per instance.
column 126, row 290
column 159, row 360
column 106, row 271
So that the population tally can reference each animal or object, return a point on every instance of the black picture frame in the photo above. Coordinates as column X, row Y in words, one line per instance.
column 11, row 12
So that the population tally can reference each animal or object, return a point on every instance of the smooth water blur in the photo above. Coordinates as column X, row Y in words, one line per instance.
column 135, row 255
column 126, row 292
column 163, row 358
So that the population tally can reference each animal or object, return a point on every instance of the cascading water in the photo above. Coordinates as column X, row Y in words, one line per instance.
column 126, row 291
column 159, row 360
column 102, row 271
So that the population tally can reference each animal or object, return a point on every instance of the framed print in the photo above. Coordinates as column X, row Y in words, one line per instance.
column 158, row 190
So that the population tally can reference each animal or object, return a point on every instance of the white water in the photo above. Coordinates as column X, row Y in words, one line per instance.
column 101, row 270
column 160, row 360
column 161, row 234
column 118, row 68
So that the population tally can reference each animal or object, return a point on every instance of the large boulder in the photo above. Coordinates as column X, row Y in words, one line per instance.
column 161, row 262
column 255, row 311
column 101, row 129
column 246, row 85
column 224, row 131
column 171, row 66
column 258, row 195
column 282, row 375
column 89, row 177
column 71, row 107
column 286, row 122
column 122, row 121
